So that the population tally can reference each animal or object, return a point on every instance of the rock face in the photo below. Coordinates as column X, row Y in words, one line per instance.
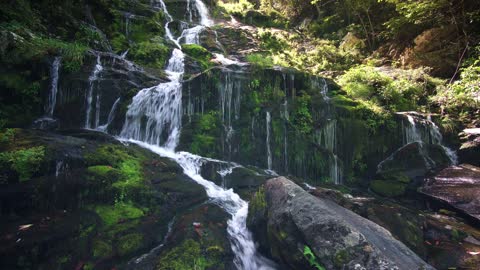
column 469, row 152
column 407, row 167
column 459, row 187
column 305, row 232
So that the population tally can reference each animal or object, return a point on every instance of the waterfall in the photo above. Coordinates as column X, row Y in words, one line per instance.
column 153, row 121
column 269, row 150
column 203, row 12
column 189, row 10
column 155, row 113
column 425, row 131
column 285, row 124
column 52, row 96
column 91, row 85
column 111, row 115
column 327, row 137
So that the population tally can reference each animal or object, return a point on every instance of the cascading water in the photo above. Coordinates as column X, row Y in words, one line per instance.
column 91, row 85
column 269, row 150
column 52, row 96
column 425, row 131
column 111, row 115
column 327, row 137
column 155, row 114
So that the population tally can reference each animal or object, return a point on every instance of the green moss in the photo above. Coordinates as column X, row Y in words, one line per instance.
column 129, row 243
column 112, row 214
column 204, row 141
column 258, row 204
column 102, row 249
column 102, row 171
column 25, row 162
column 260, row 60
column 388, row 188
column 150, row 53
column 199, row 53
column 186, row 256
column 311, row 258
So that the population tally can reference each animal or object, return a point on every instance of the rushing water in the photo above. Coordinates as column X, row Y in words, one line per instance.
column 52, row 96
column 417, row 129
column 153, row 121
column 111, row 115
column 91, row 86
column 267, row 142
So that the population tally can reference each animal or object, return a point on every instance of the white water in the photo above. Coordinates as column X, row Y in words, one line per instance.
column 327, row 137
column 52, row 96
column 427, row 133
column 204, row 14
column 91, row 85
column 269, row 150
column 155, row 113
column 111, row 115
column 153, row 121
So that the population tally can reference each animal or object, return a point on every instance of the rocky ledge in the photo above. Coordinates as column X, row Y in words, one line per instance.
column 457, row 186
column 305, row 232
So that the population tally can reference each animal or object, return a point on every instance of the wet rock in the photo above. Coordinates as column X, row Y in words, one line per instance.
column 305, row 232
column 442, row 239
column 469, row 151
column 458, row 187
column 406, row 168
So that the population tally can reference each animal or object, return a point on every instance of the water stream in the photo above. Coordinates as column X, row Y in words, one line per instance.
column 91, row 86
column 153, row 121
column 52, row 96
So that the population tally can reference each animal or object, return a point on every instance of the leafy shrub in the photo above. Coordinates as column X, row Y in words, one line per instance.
column 25, row 162
column 399, row 91
column 260, row 60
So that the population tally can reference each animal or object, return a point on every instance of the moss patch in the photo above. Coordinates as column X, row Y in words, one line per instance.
column 129, row 243
column 199, row 53
column 189, row 255
column 25, row 162
column 388, row 188
column 111, row 215
column 102, row 249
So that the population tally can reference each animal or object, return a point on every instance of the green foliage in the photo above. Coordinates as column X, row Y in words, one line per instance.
column 204, row 140
column 302, row 118
column 404, row 93
column 7, row 136
column 187, row 256
column 462, row 98
column 150, row 53
column 25, row 162
column 199, row 53
column 236, row 8
column 311, row 258
column 260, row 60
column 113, row 214
column 258, row 204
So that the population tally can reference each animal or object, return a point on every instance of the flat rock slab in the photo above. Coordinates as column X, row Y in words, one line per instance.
column 459, row 187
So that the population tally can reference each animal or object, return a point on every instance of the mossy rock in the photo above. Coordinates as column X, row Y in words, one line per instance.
column 102, row 249
column 113, row 214
column 129, row 243
column 388, row 188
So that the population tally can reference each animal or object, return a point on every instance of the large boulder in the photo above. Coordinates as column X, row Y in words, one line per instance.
column 458, row 187
column 407, row 167
column 305, row 232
